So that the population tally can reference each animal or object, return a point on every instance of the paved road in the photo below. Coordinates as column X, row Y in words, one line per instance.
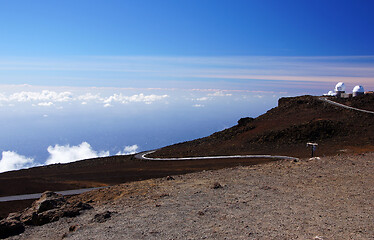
column 142, row 156
column 37, row 195
column 344, row 106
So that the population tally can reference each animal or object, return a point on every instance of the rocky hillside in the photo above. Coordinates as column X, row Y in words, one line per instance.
column 287, row 128
column 283, row 130
column 364, row 102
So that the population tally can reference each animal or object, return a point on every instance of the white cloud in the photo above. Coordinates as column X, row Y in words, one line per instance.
column 13, row 161
column 219, row 94
column 45, row 104
column 108, row 105
column 129, row 150
column 202, row 99
column 211, row 96
column 89, row 97
column 58, row 154
column 134, row 98
column 3, row 98
column 47, row 98
column 43, row 96
column 198, row 105
column 67, row 153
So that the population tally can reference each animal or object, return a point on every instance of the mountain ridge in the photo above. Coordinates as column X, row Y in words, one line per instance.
column 287, row 128
column 283, row 130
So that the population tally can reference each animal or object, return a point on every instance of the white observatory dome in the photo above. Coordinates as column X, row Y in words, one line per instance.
column 331, row 93
column 340, row 87
column 358, row 89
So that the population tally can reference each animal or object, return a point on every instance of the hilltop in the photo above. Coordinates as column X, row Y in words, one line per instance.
column 287, row 128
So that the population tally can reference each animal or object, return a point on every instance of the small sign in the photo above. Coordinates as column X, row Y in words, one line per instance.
column 313, row 147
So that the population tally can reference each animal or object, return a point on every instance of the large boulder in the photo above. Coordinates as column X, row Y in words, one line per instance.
column 49, row 208
column 48, row 200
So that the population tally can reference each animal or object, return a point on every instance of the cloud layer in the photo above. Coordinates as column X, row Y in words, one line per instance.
column 48, row 98
column 129, row 150
column 13, row 161
column 67, row 153
column 58, row 154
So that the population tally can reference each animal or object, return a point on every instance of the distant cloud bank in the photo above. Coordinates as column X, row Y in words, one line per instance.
column 13, row 161
column 67, row 153
column 129, row 150
column 47, row 98
column 58, row 154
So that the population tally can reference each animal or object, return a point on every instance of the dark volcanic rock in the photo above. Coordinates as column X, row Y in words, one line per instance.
column 170, row 178
column 10, row 227
column 102, row 217
column 48, row 200
column 217, row 185
column 49, row 208
column 73, row 228
column 44, row 210
column 244, row 121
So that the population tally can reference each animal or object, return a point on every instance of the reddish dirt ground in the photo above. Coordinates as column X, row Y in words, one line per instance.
column 99, row 172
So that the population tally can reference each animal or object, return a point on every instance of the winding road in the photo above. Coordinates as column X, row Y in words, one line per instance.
column 344, row 106
column 142, row 156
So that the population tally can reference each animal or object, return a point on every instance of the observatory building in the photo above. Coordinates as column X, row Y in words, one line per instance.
column 358, row 90
column 340, row 89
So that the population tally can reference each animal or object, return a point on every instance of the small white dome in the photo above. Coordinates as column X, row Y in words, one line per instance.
column 358, row 88
column 340, row 87
column 331, row 93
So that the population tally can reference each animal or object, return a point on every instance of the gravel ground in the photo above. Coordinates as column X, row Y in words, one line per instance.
column 327, row 198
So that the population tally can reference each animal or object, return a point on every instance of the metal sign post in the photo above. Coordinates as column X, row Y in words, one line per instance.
column 313, row 147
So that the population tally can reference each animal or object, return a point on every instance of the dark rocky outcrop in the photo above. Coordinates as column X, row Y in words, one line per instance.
column 244, row 121
column 102, row 217
column 48, row 208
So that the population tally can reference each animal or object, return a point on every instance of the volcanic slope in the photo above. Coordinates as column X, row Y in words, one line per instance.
column 286, row 129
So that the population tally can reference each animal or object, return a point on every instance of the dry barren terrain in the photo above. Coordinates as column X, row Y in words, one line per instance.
column 327, row 198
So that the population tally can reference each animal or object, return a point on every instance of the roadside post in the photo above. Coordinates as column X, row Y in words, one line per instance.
column 313, row 146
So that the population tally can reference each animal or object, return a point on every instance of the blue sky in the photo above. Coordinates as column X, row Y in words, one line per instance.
column 131, row 43
column 186, row 28
column 88, row 78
